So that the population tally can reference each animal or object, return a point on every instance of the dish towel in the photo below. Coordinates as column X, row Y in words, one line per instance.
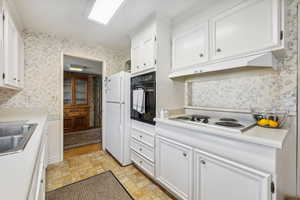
column 141, row 101
column 135, row 100
column 138, row 101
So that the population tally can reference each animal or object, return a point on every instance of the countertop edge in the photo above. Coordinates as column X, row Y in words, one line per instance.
column 240, row 137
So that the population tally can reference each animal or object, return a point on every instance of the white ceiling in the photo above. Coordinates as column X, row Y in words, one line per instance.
column 68, row 18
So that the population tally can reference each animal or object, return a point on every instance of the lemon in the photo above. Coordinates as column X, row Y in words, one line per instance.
column 263, row 122
column 273, row 124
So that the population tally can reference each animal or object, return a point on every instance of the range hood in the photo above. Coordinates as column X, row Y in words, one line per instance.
column 259, row 60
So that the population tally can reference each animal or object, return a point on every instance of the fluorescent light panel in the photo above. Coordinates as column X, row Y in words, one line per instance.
column 75, row 69
column 103, row 10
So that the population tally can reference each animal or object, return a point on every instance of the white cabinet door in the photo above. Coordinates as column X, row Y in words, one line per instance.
column 248, row 27
column 147, row 52
column 10, row 52
column 217, row 178
column 20, row 62
column 191, row 48
column 136, row 57
column 174, row 167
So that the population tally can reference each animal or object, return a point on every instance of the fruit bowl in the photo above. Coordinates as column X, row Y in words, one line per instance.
column 270, row 119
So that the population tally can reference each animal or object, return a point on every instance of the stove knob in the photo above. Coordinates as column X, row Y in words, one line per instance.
column 193, row 119
column 205, row 121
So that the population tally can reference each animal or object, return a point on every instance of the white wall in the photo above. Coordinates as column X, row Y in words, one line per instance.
column 43, row 84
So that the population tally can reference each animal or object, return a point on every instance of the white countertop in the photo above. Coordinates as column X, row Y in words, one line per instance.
column 273, row 138
column 16, row 170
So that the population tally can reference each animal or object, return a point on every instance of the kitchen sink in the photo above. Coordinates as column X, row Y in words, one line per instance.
column 14, row 137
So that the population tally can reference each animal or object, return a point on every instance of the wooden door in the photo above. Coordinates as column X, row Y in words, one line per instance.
column 174, row 167
column 218, row 178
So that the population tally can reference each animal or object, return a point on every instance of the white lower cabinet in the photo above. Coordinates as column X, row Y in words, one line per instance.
column 38, row 183
column 142, row 147
column 174, row 167
column 189, row 173
column 231, row 180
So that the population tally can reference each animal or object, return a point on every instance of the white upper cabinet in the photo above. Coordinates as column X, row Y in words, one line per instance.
column 174, row 167
column 143, row 50
column 20, row 62
column 135, row 57
column 248, row 27
column 148, row 50
column 12, row 53
column 191, row 48
column 232, row 180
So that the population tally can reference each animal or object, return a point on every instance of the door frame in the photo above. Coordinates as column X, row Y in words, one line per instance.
column 104, row 67
column 297, row 110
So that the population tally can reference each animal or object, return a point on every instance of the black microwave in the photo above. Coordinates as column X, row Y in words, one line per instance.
column 147, row 83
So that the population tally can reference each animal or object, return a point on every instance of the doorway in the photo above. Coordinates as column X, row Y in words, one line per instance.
column 82, row 102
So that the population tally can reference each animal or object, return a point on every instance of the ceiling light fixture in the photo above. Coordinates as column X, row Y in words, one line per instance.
column 103, row 10
column 75, row 69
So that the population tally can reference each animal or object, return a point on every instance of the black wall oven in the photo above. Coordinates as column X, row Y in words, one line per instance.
column 146, row 82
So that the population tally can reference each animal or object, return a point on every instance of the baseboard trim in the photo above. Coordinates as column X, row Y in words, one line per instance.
column 54, row 159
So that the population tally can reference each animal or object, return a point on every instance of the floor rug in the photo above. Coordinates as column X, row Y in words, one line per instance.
column 81, row 138
column 104, row 186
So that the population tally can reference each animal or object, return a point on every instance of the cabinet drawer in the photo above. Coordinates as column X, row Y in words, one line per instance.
column 142, row 163
column 142, row 149
column 143, row 137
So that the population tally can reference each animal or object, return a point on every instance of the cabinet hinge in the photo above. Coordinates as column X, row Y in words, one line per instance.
column 155, row 38
column 155, row 62
column 3, row 75
column 281, row 35
column 3, row 17
column 272, row 187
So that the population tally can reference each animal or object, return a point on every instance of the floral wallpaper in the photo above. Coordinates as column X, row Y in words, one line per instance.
column 245, row 88
column 43, row 67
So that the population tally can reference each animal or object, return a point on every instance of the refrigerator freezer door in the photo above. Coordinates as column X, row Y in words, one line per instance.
column 113, row 88
column 114, row 132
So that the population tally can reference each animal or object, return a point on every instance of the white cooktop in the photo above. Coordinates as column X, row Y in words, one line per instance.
column 234, row 125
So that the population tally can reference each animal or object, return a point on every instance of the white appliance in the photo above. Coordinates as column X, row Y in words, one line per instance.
column 235, row 124
column 117, row 122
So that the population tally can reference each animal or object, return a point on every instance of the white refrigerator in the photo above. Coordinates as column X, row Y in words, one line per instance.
column 117, row 114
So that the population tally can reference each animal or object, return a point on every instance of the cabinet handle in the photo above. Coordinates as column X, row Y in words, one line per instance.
column 201, row 55
column 15, row 79
column 202, row 162
column 141, row 149
column 141, row 136
column 184, row 154
column 144, row 64
column 197, row 71
column 219, row 50
column 141, row 162
column 42, row 181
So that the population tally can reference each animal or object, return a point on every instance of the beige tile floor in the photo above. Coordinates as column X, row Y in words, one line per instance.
column 81, row 163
